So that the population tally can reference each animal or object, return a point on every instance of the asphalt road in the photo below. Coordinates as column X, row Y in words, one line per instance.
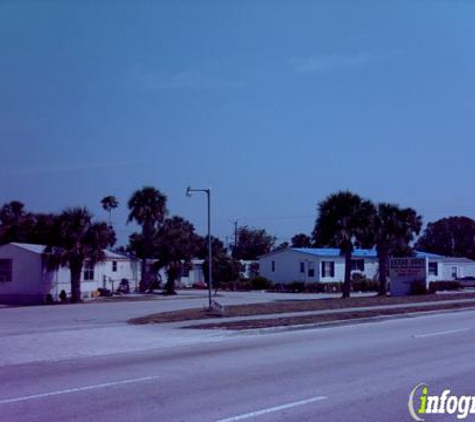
column 350, row 373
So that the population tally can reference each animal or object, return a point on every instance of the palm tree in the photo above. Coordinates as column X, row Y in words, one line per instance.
column 394, row 229
column 76, row 240
column 148, row 208
column 109, row 203
column 177, row 243
column 344, row 220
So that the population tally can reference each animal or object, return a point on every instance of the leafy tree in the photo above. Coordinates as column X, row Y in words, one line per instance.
column 109, row 203
column 148, row 208
column 175, row 246
column 76, row 240
column 42, row 228
column 18, row 225
column 15, row 223
column 252, row 243
column 344, row 220
column 281, row 246
column 394, row 228
column 225, row 268
column 217, row 247
column 451, row 236
column 301, row 240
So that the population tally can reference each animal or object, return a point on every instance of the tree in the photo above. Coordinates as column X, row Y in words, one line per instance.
column 225, row 268
column 301, row 240
column 344, row 220
column 281, row 246
column 109, row 203
column 175, row 247
column 217, row 247
column 148, row 208
column 451, row 236
column 19, row 225
column 15, row 223
column 394, row 228
column 76, row 240
column 252, row 243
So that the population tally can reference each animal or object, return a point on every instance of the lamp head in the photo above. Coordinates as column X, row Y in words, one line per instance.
column 188, row 191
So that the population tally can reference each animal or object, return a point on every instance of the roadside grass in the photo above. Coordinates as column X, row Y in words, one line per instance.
column 279, row 307
column 328, row 318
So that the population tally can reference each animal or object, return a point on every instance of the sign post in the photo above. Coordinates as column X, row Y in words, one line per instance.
column 407, row 275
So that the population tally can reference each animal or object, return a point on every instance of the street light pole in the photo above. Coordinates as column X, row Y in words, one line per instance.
column 189, row 191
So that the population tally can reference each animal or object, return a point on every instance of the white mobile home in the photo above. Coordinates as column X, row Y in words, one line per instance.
column 449, row 268
column 25, row 278
column 321, row 265
column 315, row 265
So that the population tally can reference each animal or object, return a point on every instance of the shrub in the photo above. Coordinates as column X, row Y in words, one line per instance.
column 260, row 283
column 437, row 286
column 296, row 287
column 333, row 287
column 243, row 285
column 418, row 288
column 360, row 283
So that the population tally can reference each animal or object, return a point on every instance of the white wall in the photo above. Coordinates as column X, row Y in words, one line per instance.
column 463, row 269
column 32, row 281
column 28, row 283
column 288, row 268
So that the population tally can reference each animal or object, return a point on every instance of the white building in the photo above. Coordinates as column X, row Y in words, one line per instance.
column 321, row 265
column 25, row 278
column 315, row 265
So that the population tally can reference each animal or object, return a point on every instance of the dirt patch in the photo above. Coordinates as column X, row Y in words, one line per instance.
column 321, row 319
column 280, row 307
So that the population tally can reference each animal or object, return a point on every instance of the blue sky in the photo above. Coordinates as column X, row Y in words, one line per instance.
column 272, row 104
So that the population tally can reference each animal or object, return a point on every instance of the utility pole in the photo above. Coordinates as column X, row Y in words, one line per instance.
column 235, row 236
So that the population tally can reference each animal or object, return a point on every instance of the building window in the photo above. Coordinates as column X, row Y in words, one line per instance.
column 433, row 268
column 302, row 267
column 5, row 270
column 114, row 266
column 273, row 266
column 454, row 272
column 311, row 269
column 328, row 269
column 88, row 272
column 357, row 265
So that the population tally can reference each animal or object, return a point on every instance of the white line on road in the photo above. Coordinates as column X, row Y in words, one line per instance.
column 77, row 389
column 440, row 333
column 272, row 409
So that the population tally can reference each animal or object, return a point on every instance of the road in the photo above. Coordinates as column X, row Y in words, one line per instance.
column 361, row 372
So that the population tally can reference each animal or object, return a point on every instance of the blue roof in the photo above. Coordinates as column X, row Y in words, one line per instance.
column 357, row 253
column 421, row 254
column 332, row 252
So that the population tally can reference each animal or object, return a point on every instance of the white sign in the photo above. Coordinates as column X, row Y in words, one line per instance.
column 405, row 274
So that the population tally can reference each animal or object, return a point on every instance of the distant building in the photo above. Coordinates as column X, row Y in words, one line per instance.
column 324, row 265
column 25, row 278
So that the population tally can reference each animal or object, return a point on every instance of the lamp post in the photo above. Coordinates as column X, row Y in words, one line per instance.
column 189, row 191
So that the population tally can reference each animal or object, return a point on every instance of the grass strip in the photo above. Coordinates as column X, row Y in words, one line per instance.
column 278, row 307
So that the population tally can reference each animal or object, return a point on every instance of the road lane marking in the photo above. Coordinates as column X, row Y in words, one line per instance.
column 440, row 333
column 272, row 409
column 77, row 389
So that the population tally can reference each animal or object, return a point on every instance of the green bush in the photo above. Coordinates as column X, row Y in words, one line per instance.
column 437, row 286
column 418, row 288
column 361, row 283
column 296, row 287
column 260, row 283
